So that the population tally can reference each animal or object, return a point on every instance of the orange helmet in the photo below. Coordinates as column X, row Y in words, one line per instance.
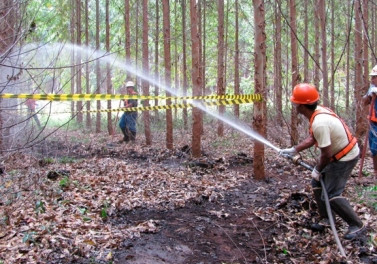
column 304, row 93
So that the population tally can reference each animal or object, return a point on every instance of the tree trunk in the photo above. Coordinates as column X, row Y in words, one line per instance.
column 260, row 112
column 147, row 129
column 220, row 61
column 316, row 46
column 109, row 87
column 322, row 15
column 277, row 66
column 78, row 61
column 236, row 107
column 156, row 54
column 87, row 76
column 8, row 38
column 358, row 90
column 184, row 63
column 127, row 42
column 196, row 81
column 306, row 43
column 294, row 68
column 349, row 26
column 98, row 70
column 73, row 40
column 167, row 62
column 332, row 58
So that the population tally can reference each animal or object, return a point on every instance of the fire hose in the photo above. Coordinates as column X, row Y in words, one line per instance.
column 298, row 161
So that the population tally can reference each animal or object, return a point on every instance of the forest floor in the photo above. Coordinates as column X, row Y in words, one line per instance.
column 106, row 202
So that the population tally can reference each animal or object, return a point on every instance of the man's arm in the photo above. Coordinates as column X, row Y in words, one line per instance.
column 305, row 144
column 324, row 158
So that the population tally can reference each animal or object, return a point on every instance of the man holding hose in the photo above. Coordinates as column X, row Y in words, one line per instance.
column 339, row 155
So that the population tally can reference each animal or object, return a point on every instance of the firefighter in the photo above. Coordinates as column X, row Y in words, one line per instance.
column 370, row 98
column 127, row 122
column 339, row 153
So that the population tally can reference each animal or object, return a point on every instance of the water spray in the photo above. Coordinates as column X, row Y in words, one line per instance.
column 297, row 160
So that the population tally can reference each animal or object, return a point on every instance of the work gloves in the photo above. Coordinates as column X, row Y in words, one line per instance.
column 290, row 151
column 316, row 175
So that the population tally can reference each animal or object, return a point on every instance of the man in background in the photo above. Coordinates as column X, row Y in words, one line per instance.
column 127, row 122
column 370, row 98
column 31, row 104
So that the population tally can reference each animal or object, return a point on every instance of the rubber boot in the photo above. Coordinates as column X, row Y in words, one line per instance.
column 342, row 207
column 323, row 217
column 126, row 138
column 132, row 135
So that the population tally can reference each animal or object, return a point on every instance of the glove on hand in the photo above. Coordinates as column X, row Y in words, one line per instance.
column 291, row 151
column 316, row 175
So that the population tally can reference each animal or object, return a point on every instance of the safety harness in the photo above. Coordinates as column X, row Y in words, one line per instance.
column 372, row 116
column 351, row 139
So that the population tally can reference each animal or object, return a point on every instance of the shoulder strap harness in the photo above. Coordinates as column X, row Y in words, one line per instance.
column 351, row 139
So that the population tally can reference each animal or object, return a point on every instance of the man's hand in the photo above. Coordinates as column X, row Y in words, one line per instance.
column 290, row 151
column 316, row 175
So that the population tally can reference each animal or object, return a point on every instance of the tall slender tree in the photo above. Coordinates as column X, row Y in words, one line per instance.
column 78, row 61
column 196, row 81
column 184, row 62
column 277, row 65
column 260, row 110
column 358, row 89
column 332, row 57
column 109, row 87
column 322, row 17
column 98, row 69
column 147, row 129
column 236, row 108
column 127, row 42
column 220, row 61
column 167, row 65
column 73, row 40
column 87, row 72
column 294, row 67
column 156, row 56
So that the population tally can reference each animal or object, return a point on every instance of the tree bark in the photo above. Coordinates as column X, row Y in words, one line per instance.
column 322, row 15
column 294, row 68
column 78, row 62
column 98, row 69
column 260, row 111
column 147, row 129
column 277, row 65
column 156, row 60
column 236, row 107
column 358, row 90
column 87, row 72
column 196, row 81
column 127, row 42
column 167, row 63
column 184, row 63
column 220, row 62
column 109, row 87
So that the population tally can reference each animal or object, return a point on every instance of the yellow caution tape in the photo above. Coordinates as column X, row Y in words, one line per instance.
column 88, row 97
column 173, row 106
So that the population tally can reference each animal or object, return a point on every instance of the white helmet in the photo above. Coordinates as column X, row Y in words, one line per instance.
column 374, row 71
column 130, row 84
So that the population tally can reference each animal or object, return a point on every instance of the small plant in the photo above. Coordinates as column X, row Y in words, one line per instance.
column 46, row 161
column 103, row 212
column 64, row 183
column 28, row 237
column 40, row 207
column 66, row 160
